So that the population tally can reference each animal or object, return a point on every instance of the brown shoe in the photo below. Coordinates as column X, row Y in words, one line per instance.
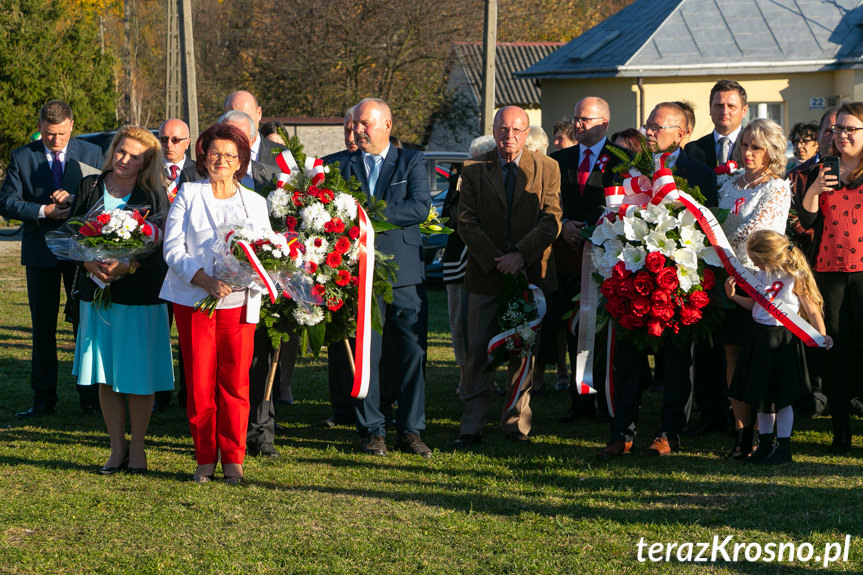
column 614, row 449
column 375, row 445
column 411, row 443
column 517, row 437
column 663, row 446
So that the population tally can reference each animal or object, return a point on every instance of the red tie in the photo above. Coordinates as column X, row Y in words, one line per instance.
column 584, row 170
column 175, row 171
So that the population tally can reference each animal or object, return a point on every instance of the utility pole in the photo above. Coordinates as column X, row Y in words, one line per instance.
column 489, row 48
column 181, row 92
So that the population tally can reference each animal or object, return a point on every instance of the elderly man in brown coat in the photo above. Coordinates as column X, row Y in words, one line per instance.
column 509, row 215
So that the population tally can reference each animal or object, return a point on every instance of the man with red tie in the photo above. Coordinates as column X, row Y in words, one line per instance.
column 175, row 140
column 585, row 170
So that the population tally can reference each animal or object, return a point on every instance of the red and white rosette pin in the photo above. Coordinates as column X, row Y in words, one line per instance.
column 366, row 274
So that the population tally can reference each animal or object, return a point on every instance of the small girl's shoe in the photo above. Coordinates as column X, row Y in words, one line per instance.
column 742, row 443
column 781, row 454
column 765, row 448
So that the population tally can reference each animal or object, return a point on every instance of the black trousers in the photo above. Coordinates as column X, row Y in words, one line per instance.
column 629, row 376
column 43, row 292
column 262, row 414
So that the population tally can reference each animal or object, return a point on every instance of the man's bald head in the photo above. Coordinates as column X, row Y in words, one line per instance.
column 174, row 137
column 590, row 120
column 244, row 101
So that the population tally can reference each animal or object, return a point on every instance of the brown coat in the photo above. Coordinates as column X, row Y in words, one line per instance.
column 535, row 221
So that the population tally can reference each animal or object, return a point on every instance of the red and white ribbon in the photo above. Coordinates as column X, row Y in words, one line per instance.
column 172, row 191
column 282, row 180
column 315, row 170
column 256, row 265
column 366, row 274
column 500, row 340
column 286, row 162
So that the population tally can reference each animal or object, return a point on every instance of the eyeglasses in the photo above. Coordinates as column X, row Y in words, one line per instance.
column 657, row 128
column 799, row 141
column 850, row 130
column 583, row 119
column 175, row 141
column 505, row 131
column 230, row 158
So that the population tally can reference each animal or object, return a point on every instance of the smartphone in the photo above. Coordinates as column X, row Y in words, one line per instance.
column 832, row 165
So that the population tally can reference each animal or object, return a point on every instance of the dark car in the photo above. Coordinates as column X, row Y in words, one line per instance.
column 104, row 139
column 439, row 166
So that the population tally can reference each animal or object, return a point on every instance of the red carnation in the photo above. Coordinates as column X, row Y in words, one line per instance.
column 640, row 305
column 147, row 230
column 334, row 259
column 326, row 196
column 344, row 278
column 689, row 315
column 354, row 232
column 291, row 223
column 334, row 304
column 619, row 271
column 295, row 250
column 355, row 281
column 318, row 290
column 699, row 299
column 318, row 242
column 644, row 283
column 654, row 262
column 666, row 278
column 313, row 267
column 709, row 280
column 343, row 244
column 655, row 327
column 103, row 218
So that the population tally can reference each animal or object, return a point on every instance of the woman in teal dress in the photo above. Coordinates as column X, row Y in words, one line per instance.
column 125, row 348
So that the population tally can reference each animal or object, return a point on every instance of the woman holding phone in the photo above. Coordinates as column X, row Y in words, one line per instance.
column 832, row 207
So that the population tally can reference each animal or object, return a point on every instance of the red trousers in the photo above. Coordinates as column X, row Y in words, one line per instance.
column 217, row 354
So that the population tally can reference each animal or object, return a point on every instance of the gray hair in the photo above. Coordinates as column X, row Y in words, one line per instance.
column 481, row 145
column 537, row 140
column 238, row 116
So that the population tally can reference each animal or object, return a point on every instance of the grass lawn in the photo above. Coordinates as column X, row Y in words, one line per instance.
column 323, row 507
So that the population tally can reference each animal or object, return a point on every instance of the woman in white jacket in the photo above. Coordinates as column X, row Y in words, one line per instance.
column 217, row 351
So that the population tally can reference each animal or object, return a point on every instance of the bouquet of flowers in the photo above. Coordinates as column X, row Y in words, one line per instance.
column 654, row 270
column 518, row 318
column 318, row 207
column 247, row 258
column 119, row 234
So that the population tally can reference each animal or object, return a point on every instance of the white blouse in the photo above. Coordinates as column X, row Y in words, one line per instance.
column 764, row 207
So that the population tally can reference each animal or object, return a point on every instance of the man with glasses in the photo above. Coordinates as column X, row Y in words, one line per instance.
column 727, row 109
column 585, row 171
column 174, row 137
column 664, row 129
column 509, row 215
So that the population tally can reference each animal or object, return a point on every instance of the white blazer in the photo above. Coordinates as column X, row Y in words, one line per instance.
column 189, row 235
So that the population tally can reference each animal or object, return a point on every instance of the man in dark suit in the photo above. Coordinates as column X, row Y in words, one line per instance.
column 665, row 128
column 37, row 178
column 509, row 215
column 263, row 150
column 585, row 171
column 727, row 109
column 339, row 374
column 398, row 177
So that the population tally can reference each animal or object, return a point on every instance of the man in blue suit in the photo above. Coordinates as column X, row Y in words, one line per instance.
column 35, row 192
column 398, row 177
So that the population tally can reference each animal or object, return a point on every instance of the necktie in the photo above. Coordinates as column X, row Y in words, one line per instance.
column 584, row 170
column 724, row 148
column 57, row 170
column 374, row 169
column 175, row 171
column 509, row 171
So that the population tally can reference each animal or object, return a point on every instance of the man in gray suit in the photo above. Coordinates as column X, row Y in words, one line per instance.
column 35, row 192
column 259, row 175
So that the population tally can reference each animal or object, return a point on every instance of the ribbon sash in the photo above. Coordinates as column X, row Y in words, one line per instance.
column 366, row 274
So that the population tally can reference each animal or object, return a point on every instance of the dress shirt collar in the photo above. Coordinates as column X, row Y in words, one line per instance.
column 504, row 162
column 256, row 146
column 732, row 136
column 671, row 160
column 382, row 155
column 179, row 164
column 50, row 154
column 594, row 151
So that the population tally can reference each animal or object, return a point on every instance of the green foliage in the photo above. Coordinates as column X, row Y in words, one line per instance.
column 49, row 49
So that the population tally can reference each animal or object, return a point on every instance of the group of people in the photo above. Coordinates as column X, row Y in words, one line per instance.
column 515, row 210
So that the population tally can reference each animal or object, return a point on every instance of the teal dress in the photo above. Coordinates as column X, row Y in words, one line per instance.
column 125, row 346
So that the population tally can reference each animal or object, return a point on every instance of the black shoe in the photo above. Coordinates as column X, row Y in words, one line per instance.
column 374, row 445
column 105, row 470
column 464, row 441
column 781, row 454
column 36, row 411
column 742, row 442
column 517, row 437
column 841, row 435
column 336, row 420
column 266, row 449
column 765, row 448
column 411, row 443
column 280, row 429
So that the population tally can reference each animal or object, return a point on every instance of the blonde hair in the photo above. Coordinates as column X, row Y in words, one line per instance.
column 767, row 135
column 150, row 176
column 777, row 254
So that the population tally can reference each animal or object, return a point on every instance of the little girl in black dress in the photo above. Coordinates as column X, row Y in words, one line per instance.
column 771, row 373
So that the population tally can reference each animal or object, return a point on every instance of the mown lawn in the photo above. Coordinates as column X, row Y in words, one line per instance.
column 323, row 507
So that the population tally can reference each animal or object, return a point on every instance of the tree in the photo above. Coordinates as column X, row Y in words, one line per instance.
column 49, row 49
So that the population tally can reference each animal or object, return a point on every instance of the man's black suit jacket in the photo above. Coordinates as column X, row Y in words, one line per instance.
column 704, row 150
column 266, row 152
column 29, row 185
column 697, row 174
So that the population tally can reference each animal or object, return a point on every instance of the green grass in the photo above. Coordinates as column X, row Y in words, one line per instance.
column 550, row 507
